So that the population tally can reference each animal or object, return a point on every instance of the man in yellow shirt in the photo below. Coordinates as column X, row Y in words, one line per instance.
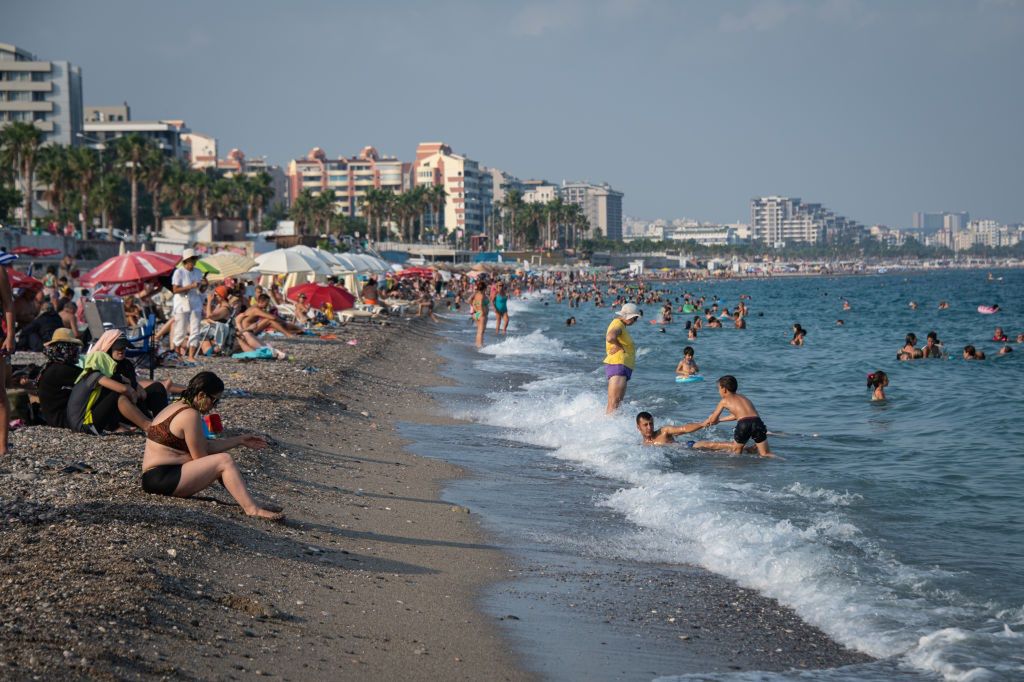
column 620, row 355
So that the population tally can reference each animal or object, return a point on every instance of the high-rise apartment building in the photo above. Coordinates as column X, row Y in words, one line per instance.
column 469, row 188
column 776, row 220
column 45, row 94
column 933, row 222
column 502, row 182
column 349, row 178
column 600, row 203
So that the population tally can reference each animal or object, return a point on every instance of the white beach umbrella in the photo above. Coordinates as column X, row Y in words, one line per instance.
column 346, row 263
column 314, row 255
column 285, row 262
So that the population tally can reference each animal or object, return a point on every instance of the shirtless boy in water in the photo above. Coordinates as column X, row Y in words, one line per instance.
column 664, row 435
column 748, row 422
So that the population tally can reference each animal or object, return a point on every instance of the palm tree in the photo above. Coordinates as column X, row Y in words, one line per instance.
column 198, row 183
column 154, row 174
column 302, row 210
column 175, row 188
column 556, row 211
column 131, row 150
column 437, row 197
column 370, row 207
column 55, row 173
column 19, row 149
column 85, row 167
column 324, row 211
column 513, row 203
column 258, row 192
column 107, row 197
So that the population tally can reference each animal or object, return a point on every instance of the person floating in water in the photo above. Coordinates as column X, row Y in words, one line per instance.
column 687, row 367
column 666, row 434
column 877, row 381
column 909, row 351
column 999, row 335
column 742, row 411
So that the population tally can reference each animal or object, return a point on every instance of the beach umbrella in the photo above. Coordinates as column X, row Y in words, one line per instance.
column 19, row 280
column 122, row 289
column 312, row 254
column 422, row 273
column 132, row 267
column 318, row 294
column 285, row 262
column 227, row 264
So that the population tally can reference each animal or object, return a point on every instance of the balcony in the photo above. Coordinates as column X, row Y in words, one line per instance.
column 26, row 106
column 26, row 86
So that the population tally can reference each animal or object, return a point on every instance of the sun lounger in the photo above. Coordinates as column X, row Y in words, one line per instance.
column 354, row 314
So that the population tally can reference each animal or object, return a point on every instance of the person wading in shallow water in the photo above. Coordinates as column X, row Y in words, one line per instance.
column 620, row 355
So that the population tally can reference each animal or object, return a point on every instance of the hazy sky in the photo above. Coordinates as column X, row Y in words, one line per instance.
column 875, row 109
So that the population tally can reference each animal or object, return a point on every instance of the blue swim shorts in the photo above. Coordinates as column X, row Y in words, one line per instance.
column 617, row 371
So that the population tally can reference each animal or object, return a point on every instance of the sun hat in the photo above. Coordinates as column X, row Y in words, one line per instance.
column 120, row 344
column 628, row 311
column 63, row 335
column 188, row 254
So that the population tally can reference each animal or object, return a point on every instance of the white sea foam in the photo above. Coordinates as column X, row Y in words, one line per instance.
column 825, row 567
column 534, row 344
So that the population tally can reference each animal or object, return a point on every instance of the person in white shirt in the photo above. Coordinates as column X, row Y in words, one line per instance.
column 187, row 284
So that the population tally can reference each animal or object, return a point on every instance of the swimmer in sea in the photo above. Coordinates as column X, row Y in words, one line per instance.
column 1005, row 350
column 909, row 350
column 687, row 367
column 971, row 353
column 878, row 381
column 666, row 434
column 933, row 347
column 798, row 335
column 999, row 335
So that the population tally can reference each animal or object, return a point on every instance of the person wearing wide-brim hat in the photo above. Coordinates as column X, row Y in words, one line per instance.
column 620, row 354
column 58, row 376
column 188, row 304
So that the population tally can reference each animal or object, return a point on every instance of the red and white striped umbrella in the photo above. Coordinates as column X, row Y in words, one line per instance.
column 132, row 267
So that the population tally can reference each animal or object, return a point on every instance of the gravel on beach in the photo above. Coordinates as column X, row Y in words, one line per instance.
column 370, row 573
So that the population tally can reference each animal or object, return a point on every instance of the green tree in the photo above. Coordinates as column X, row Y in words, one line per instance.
column 175, row 190
column 302, row 210
column 131, row 150
column 106, row 195
column 85, row 167
column 55, row 173
column 511, row 206
column 154, row 174
column 19, row 149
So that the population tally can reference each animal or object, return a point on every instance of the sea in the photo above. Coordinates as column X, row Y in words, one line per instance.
column 896, row 526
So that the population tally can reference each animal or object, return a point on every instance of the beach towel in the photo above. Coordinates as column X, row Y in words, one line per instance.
column 264, row 353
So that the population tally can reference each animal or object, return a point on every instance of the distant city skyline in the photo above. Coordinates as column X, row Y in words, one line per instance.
column 877, row 110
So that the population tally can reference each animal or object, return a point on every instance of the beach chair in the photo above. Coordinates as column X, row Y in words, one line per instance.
column 355, row 314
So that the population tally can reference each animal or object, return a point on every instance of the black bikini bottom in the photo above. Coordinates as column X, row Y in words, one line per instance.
column 162, row 480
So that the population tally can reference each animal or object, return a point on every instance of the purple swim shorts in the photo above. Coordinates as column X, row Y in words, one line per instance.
column 617, row 371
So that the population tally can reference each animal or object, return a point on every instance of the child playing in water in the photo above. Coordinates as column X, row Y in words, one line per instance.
column 742, row 411
column 878, row 381
column 971, row 353
column 798, row 335
column 664, row 435
column 687, row 367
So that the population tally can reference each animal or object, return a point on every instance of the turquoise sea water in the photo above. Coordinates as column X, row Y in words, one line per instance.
column 896, row 527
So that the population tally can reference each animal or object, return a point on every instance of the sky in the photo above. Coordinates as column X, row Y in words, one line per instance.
column 875, row 109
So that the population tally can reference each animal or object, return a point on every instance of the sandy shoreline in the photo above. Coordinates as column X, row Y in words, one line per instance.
column 373, row 577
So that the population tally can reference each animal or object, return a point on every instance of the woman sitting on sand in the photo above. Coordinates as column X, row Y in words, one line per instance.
column 179, row 461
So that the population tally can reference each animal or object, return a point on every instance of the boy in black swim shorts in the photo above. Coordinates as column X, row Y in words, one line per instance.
column 748, row 422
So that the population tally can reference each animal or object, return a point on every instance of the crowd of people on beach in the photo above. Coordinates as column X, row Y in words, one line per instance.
column 88, row 380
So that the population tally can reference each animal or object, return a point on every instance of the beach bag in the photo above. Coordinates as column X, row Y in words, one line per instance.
column 83, row 396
